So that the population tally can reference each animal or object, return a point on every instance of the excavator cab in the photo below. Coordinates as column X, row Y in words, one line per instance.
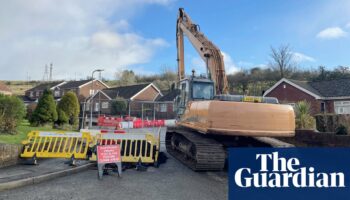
column 194, row 89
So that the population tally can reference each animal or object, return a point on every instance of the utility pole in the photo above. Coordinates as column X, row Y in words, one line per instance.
column 51, row 66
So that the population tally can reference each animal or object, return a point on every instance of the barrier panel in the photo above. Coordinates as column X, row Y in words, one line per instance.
column 135, row 148
column 72, row 145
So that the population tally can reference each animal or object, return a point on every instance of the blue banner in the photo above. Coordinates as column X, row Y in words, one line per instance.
column 289, row 173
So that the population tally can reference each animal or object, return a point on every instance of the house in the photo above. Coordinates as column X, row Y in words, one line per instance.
column 83, row 89
column 36, row 92
column 4, row 89
column 139, row 97
column 166, row 107
column 331, row 96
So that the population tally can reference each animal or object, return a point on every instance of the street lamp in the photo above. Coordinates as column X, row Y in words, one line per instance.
column 92, row 89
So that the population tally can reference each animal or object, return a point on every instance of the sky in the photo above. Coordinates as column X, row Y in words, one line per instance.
column 79, row 36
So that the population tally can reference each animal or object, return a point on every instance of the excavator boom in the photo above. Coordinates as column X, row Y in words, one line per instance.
column 206, row 49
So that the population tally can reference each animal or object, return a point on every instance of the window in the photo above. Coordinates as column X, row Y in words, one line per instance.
column 31, row 94
column 57, row 93
column 104, row 105
column 87, row 106
column 163, row 107
column 323, row 107
column 97, row 107
column 37, row 93
column 202, row 90
column 342, row 107
column 92, row 92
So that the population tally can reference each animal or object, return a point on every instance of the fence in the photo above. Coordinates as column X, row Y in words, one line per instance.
column 135, row 148
column 144, row 110
column 56, row 145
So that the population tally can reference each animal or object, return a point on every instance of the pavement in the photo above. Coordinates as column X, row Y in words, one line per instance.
column 25, row 174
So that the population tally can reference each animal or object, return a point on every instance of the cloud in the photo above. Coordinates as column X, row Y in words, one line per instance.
column 347, row 25
column 299, row 57
column 77, row 36
column 199, row 65
column 331, row 33
column 230, row 66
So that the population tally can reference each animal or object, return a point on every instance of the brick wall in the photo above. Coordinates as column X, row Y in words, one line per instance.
column 9, row 154
column 148, row 94
column 84, row 91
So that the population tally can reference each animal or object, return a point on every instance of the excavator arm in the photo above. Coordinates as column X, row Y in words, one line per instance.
column 206, row 49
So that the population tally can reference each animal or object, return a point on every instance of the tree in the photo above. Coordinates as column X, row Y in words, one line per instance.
column 118, row 107
column 304, row 120
column 126, row 77
column 12, row 111
column 68, row 109
column 282, row 60
column 45, row 112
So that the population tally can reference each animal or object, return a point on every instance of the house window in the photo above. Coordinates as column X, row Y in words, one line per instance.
column 92, row 92
column 105, row 105
column 31, row 94
column 342, row 107
column 323, row 107
column 97, row 107
column 284, row 86
column 87, row 106
column 57, row 93
column 163, row 107
column 37, row 93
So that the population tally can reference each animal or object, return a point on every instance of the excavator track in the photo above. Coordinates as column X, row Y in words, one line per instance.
column 195, row 151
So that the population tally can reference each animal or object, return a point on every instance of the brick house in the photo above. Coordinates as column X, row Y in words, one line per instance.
column 325, row 96
column 83, row 89
column 166, row 107
column 138, row 96
column 36, row 92
column 4, row 89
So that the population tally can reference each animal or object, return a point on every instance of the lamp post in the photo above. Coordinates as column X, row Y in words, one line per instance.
column 92, row 89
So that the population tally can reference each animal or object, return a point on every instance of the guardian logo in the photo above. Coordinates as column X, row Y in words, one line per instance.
column 285, row 173
column 289, row 173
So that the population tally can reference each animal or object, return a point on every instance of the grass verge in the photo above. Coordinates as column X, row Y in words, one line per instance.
column 22, row 130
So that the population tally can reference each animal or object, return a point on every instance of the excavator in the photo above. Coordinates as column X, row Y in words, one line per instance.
column 209, row 119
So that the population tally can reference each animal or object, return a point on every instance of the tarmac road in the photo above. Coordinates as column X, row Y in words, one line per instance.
column 171, row 181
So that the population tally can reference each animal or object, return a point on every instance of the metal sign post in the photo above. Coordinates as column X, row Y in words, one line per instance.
column 108, row 154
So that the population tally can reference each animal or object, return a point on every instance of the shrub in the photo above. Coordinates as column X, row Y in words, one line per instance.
column 118, row 107
column 45, row 112
column 12, row 111
column 341, row 130
column 304, row 120
column 68, row 109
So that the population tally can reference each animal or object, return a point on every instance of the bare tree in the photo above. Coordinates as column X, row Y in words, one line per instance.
column 282, row 60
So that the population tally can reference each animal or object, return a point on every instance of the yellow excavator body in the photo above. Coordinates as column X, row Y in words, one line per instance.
column 239, row 118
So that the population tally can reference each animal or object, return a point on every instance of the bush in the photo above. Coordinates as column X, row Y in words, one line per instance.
column 12, row 112
column 118, row 107
column 304, row 120
column 45, row 112
column 341, row 130
column 68, row 109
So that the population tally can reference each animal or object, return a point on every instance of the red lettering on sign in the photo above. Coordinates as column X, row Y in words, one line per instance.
column 108, row 154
